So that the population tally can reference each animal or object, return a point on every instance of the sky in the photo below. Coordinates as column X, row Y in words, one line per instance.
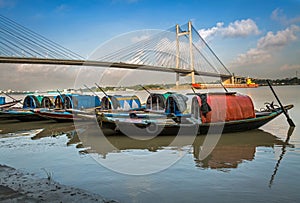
column 255, row 38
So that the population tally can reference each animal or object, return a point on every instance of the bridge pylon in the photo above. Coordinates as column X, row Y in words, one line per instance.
column 192, row 65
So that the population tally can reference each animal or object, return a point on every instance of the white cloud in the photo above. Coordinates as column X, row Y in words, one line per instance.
column 206, row 33
column 253, row 56
column 278, row 15
column 266, row 47
column 241, row 28
column 278, row 40
column 238, row 28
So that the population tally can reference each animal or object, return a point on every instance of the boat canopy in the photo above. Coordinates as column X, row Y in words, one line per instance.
column 48, row 102
column 222, row 107
column 75, row 101
column 109, row 102
column 63, row 101
column 128, row 102
column 85, row 101
column 32, row 101
column 2, row 100
column 120, row 102
column 156, row 101
column 176, row 104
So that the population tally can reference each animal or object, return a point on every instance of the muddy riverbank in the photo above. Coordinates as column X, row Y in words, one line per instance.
column 17, row 186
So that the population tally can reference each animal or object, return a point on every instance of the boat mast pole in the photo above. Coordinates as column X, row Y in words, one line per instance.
column 290, row 121
column 146, row 89
column 19, row 101
column 102, row 90
column 91, row 90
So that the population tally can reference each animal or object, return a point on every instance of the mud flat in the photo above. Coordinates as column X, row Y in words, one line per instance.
column 16, row 186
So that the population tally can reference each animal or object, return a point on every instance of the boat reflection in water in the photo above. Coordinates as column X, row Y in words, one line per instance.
column 49, row 128
column 231, row 150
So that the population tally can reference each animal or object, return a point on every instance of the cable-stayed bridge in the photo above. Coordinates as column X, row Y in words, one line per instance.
column 179, row 50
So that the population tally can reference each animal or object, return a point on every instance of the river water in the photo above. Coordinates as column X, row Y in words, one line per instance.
column 255, row 166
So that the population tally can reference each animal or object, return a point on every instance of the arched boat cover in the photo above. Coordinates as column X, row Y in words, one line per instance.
column 63, row 101
column 128, row 102
column 222, row 107
column 176, row 104
column 109, row 102
column 32, row 101
column 156, row 101
column 85, row 101
column 120, row 102
column 48, row 102
column 75, row 101
column 2, row 100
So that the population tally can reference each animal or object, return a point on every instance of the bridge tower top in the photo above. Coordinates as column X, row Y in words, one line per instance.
column 192, row 65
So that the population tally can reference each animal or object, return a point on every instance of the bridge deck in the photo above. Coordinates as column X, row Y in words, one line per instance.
column 47, row 61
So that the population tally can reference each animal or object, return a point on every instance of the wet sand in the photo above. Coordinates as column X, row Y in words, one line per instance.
column 16, row 186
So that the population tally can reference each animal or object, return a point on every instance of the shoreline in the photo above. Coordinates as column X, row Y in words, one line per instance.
column 17, row 186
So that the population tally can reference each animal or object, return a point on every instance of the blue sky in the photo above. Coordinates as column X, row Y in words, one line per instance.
column 252, row 37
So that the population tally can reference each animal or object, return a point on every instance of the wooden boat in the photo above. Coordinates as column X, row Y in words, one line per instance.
column 64, row 115
column 20, row 114
column 48, row 101
column 82, row 107
column 157, row 102
column 76, row 101
column 24, row 114
column 261, row 118
column 114, row 102
column 237, row 115
column 169, row 125
column 70, row 107
column 9, row 104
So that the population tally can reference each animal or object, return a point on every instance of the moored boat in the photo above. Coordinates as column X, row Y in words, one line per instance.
column 119, row 102
column 70, row 107
column 24, row 114
column 4, row 104
column 210, row 113
column 64, row 115
column 20, row 114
